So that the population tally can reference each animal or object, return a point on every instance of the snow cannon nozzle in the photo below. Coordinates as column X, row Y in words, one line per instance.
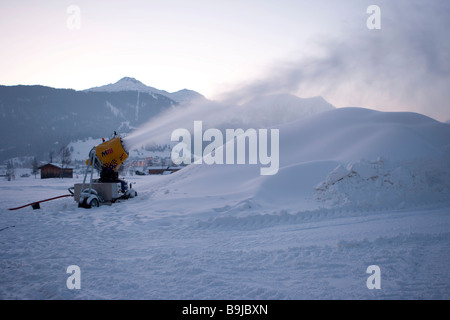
column 125, row 146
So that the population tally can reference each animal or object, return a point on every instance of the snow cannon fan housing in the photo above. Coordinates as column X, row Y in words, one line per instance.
column 109, row 155
column 107, row 158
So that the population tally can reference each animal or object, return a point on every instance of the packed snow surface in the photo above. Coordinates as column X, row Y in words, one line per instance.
column 355, row 188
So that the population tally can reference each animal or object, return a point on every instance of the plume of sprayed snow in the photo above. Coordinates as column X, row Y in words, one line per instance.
column 405, row 66
column 260, row 112
column 158, row 130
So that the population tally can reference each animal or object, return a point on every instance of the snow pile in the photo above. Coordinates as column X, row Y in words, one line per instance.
column 386, row 184
column 320, row 165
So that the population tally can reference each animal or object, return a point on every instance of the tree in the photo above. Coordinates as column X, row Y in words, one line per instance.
column 66, row 159
column 35, row 167
column 10, row 172
column 51, row 154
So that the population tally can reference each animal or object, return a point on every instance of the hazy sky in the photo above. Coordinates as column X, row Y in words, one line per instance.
column 307, row 48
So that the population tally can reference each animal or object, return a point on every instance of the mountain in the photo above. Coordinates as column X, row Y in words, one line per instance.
column 131, row 84
column 36, row 120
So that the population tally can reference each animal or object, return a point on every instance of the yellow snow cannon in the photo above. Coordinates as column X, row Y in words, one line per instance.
column 106, row 157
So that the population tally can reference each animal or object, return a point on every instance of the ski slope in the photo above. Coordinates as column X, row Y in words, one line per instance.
column 356, row 188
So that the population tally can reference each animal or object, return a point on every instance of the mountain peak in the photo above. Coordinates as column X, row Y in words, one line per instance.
column 132, row 84
column 124, row 84
column 129, row 79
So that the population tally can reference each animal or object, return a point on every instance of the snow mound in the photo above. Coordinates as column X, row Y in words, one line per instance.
column 321, row 166
column 350, row 134
column 390, row 184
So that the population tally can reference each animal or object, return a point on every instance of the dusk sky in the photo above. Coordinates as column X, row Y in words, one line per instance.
column 245, row 47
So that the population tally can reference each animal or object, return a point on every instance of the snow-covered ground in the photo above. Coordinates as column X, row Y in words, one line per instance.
column 355, row 188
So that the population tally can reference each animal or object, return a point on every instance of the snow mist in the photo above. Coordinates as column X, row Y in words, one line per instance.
column 218, row 115
column 219, row 151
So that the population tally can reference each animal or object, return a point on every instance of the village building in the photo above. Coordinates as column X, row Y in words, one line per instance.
column 51, row 170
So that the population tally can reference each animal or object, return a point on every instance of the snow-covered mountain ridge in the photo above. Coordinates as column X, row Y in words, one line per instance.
column 131, row 84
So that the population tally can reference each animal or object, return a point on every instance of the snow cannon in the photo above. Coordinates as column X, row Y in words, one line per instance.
column 106, row 158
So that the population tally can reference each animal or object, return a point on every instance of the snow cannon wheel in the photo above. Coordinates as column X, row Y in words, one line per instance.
column 94, row 203
column 89, row 198
column 83, row 204
column 89, row 202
